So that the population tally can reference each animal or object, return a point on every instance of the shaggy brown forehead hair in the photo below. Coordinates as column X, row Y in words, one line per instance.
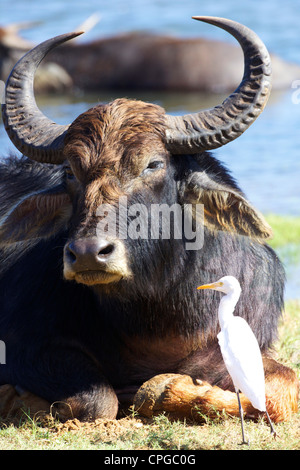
column 107, row 138
column 108, row 145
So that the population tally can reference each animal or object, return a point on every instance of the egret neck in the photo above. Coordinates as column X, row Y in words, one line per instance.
column 227, row 306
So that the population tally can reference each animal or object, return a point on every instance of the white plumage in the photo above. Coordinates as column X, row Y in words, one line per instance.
column 239, row 348
column 243, row 360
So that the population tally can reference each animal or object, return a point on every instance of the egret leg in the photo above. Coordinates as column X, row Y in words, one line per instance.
column 242, row 419
column 271, row 425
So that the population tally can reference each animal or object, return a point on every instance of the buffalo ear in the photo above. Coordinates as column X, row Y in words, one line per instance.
column 225, row 208
column 36, row 216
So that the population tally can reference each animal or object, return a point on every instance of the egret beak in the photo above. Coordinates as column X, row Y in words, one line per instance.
column 211, row 286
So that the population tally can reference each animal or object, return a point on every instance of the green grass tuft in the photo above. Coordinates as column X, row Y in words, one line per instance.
column 286, row 230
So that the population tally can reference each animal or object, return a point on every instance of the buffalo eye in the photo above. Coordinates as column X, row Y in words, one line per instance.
column 69, row 174
column 153, row 165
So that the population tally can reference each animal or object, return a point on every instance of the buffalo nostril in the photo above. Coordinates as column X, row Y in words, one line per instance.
column 88, row 254
column 106, row 250
column 70, row 253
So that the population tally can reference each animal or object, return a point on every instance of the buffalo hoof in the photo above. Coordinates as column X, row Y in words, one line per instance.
column 182, row 397
column 16, row 403
column 177, row 395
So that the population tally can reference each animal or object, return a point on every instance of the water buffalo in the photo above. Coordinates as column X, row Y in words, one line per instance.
column 87, row 316
column 140, row 61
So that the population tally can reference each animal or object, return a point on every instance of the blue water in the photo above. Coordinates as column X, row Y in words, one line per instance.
column 266, row 159
column 276, row 21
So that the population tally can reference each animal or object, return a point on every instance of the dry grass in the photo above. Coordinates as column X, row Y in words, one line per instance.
column 133, row 433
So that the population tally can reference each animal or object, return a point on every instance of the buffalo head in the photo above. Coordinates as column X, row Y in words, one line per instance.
column 133, row 151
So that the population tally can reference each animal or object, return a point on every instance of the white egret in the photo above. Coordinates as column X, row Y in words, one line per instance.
column 240, row 349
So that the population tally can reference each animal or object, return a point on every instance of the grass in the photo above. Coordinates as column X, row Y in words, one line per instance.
column 286, row 238
column 135, row 433
column 286, row 230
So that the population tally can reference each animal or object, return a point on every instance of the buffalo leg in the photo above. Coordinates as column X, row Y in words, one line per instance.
column 71, row 382
column 182, row 396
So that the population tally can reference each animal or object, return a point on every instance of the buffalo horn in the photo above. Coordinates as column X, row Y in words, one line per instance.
column 212, row 128
column 29, row 129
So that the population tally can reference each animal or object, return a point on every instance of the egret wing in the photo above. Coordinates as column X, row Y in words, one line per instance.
column 243, row 360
